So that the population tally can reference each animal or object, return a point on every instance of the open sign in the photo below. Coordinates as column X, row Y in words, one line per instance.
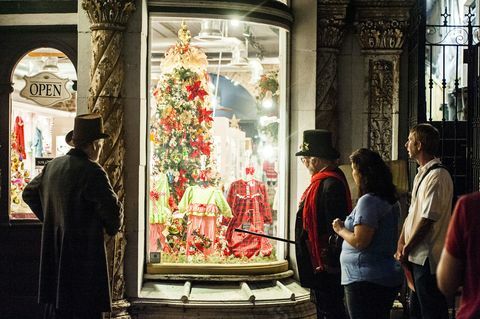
column 45, row 88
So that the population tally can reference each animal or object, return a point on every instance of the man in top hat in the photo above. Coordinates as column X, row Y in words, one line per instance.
column 326, row 198
column 73, row 198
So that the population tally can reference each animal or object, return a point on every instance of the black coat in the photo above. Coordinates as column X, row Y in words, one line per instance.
column 331, row 203
column 76, row 203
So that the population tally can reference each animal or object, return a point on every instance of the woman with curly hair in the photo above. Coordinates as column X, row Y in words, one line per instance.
column 370, row 275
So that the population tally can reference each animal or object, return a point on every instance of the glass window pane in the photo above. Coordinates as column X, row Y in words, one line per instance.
column 217, row 106
column 43, row 109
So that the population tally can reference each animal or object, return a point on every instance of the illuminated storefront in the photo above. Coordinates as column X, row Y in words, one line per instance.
column 217, row 128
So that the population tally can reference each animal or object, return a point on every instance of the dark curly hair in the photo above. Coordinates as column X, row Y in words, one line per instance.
column 375, row 175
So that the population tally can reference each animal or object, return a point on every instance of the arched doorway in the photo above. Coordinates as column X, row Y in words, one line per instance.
column 20, row 236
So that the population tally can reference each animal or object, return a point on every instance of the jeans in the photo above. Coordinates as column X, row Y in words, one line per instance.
column 329, row 299
column 366, row 300
column 427, row 302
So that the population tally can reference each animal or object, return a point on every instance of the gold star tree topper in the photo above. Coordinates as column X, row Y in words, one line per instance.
column 234, row 122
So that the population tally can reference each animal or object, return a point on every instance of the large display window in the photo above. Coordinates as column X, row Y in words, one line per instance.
column 217, row 141
column 43, row 109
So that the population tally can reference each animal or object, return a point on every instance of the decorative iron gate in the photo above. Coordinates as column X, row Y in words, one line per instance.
column 450, row 98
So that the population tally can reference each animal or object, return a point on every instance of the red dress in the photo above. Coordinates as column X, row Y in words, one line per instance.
column 250, row 209
column 19, row 137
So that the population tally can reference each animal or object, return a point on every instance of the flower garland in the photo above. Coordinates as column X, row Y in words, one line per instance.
column 20, row 177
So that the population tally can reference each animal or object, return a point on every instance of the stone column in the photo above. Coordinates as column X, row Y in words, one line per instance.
column 108, row 22
column 381, row 27
column 330, row 30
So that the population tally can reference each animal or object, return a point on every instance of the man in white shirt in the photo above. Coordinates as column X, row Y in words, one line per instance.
column 423, row 234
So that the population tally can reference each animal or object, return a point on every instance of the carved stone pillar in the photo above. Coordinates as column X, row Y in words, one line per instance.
column 108, row 22
column 330, row 30
column 381, row 27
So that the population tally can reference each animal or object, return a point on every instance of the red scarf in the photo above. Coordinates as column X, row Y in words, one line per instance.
column 310, row 223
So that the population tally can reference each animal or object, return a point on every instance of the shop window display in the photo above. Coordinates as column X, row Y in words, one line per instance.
column 43, row 108
column 215, row 121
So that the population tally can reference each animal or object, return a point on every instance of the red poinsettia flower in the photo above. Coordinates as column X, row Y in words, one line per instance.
column 195, row 90
column 154, row 195
column 181, row 177
column 171, row 202
column 200, row 145
column 195, row 154
column 204, row 115
column 205, row 149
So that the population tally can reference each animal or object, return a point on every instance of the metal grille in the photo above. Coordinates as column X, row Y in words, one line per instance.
column 451, row 78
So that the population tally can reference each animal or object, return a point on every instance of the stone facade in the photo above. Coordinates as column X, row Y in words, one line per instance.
column 108, row 23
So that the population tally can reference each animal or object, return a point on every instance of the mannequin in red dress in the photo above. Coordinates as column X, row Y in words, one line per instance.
column 251, row 210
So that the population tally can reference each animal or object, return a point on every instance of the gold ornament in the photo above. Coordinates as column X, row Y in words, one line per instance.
column 184, row 34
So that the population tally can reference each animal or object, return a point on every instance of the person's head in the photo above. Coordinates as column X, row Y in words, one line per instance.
column 88, row 135
column 317, row 151
column 423, row 139
column 372, row 175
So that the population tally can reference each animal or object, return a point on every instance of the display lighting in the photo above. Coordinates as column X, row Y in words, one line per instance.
column 235, row 22
column 267, row 152
column 267, row 103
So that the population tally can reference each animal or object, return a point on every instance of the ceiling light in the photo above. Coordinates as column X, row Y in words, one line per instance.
column 210, row 30
column 50, row 64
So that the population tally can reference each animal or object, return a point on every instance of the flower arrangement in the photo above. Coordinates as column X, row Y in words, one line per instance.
column 20, row 177
column 175, row 236
column 267, row 86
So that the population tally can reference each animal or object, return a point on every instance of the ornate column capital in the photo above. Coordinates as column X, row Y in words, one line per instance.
column 330, row 33
column 331, row 16
column 108, row 14
column 382, row 25
column 384, row 34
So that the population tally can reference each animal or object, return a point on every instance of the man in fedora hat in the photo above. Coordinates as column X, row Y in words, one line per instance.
column 73, row 198
column 326, row 198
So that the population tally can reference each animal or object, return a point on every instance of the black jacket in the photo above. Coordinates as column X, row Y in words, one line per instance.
column 76, row 203
column 331, row 203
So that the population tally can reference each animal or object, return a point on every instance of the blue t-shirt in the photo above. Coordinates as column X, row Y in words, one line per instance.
column 375, row 263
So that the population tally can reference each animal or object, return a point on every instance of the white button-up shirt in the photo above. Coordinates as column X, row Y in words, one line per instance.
column 433, row 201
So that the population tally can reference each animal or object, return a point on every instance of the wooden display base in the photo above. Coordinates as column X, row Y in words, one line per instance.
column 275, row 267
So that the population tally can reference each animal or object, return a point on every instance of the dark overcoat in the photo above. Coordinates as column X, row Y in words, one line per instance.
column 76, row 203
column 331, row 202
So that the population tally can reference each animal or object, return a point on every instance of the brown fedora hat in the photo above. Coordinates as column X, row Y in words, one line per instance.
column 87, row 128
column 318, row 143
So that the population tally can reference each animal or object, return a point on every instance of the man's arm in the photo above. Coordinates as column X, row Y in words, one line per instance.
column 31, row 196
column 400, row 244
column 451, row 268
column 100, row 191
column 449, row 273
column 419, row 233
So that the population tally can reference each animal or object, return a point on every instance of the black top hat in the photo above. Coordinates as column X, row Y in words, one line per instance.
column 318, row 143
column 87, row 128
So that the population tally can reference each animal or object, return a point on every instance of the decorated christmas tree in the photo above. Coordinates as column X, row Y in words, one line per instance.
column 182, row 119
column 20, row 177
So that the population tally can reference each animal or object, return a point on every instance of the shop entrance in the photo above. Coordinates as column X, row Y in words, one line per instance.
column 31, row 125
